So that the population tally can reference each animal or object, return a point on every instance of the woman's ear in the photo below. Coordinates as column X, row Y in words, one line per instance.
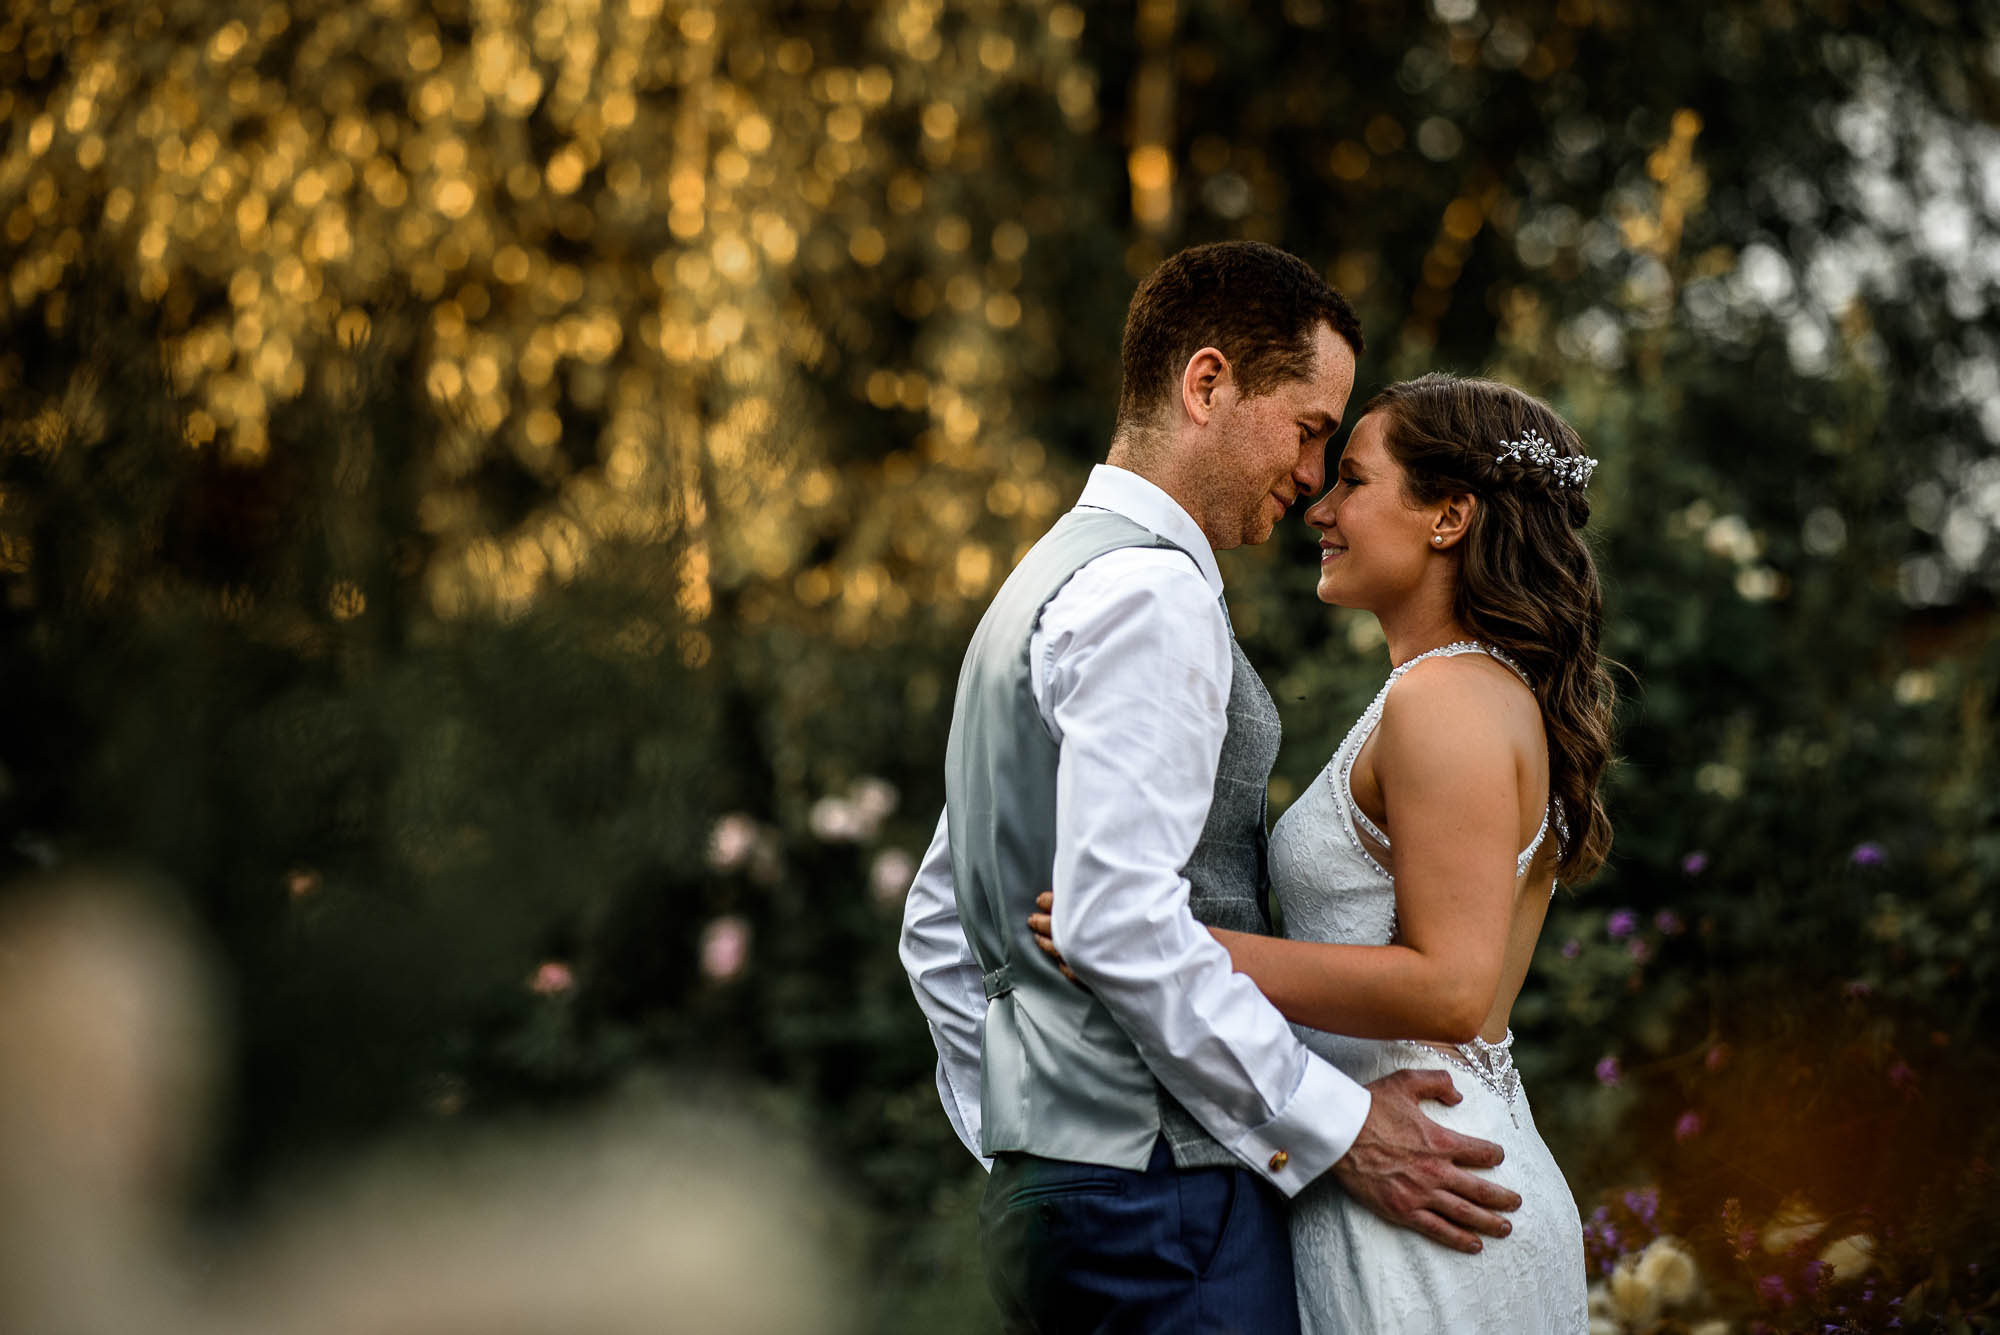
column 1453, row 517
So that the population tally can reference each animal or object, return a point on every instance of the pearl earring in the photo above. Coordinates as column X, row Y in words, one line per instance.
column 1435, row 538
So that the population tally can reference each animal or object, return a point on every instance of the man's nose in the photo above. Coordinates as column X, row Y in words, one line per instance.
column 1311, row 470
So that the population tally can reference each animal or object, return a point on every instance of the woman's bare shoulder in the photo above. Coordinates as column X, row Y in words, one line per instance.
column 1468, row 702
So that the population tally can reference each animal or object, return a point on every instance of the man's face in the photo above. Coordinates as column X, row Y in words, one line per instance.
column 1272, row 448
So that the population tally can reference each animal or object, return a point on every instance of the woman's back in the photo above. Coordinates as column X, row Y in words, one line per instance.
column 1539, row 819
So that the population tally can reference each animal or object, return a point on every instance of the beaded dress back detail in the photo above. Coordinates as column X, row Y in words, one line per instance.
column 1332, row 887
column 1354, row 1271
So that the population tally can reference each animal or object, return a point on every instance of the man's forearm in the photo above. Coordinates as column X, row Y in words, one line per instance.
column 1218, row 1046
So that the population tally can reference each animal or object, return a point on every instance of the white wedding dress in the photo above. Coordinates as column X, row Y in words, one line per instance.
column 1356, row 1273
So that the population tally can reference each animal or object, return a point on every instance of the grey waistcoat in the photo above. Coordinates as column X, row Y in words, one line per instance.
column 1058, row 1076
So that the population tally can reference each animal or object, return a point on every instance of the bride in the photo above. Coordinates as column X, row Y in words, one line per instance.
column 1414, row 875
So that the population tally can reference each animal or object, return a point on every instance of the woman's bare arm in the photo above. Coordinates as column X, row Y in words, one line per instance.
column 1444, row 756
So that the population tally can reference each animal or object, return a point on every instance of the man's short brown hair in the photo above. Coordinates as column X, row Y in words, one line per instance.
column 1257, row 305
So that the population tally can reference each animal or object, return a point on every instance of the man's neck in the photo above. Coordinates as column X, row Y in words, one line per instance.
column 1156, row 461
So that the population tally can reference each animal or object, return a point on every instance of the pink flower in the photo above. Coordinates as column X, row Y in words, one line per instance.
column 1901, row 1076
column 890, row 875
column 874, row 799
column 731, row 841
column 552, row 979
column 1689, row 1125
column 1694, row 864
column 1572, row 948
column 1869, row 854
column 1638, row 949
column 1610, row 1072
column 1717, row 1058
column 835, row 820
column 1669, row 923
column 725, row 948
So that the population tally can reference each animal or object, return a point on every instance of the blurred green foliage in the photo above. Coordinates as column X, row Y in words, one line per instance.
column 492, row 496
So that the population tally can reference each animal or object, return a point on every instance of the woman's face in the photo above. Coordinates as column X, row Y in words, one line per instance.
column 1374, row 546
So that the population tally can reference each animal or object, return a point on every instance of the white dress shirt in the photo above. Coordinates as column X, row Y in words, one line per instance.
column 1131, row 667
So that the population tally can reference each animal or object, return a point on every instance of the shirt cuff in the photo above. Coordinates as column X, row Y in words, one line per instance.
column 1311, row 1133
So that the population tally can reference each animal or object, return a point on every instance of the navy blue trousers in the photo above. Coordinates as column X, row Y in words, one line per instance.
column 1078, row 1249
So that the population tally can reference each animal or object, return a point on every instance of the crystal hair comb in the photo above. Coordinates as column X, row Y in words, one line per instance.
column 1531, row 449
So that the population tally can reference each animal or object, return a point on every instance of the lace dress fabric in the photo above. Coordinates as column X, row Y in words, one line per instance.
column 1356, row 1273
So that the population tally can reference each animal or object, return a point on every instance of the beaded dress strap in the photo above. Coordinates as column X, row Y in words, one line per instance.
column 1373, row 716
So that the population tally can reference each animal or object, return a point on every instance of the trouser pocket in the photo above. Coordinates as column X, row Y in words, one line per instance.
column 1208, row 1200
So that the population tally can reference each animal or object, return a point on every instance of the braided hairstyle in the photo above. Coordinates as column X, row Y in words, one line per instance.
column 1526, row 582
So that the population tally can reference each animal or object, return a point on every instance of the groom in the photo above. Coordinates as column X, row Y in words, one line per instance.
column 1110, row 741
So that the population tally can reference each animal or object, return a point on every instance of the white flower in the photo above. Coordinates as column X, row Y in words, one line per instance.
column 1851, row 1257
column 1668, row 1270
column 1633, row 1297
column 1603, row 1317
column 1792, row 1224
column 1729, row 536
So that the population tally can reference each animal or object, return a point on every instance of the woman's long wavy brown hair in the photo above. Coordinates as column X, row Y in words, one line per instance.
column 1527, row 584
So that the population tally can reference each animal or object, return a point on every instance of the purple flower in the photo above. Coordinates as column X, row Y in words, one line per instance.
column 1869, row 854
column 1572, row 948
column 1622, row 924
column 1857, row 990
column 1771, row 1288
column 1689, row 1125
column 1815, row 1275
column 1694, row 864
column 1610, row 1072
column 1901, row 1076
column 1669, row 923
column 1645, row 1203
column 1601, row 1241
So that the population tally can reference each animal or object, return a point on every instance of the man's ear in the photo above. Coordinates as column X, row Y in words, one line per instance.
column 1206, row 375
column 1454, row 516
